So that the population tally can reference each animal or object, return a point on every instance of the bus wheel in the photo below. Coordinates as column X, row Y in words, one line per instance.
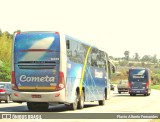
column 30, row 106
column 102, row 102
column 131, row 94
column 146, row 94
column 81, row 101
column 73, row 106
column 119, row 92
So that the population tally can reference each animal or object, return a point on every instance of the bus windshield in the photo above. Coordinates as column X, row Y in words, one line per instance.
column 36, row 47
column 139, row 75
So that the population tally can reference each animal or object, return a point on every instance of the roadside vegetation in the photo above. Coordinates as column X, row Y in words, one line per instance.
column 156, row 86
column 5, row 55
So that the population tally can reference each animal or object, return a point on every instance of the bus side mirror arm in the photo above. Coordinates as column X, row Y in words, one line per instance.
column 113, row 69
column 67, row 44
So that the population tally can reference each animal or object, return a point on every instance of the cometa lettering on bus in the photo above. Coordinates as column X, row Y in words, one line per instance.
column 24, row 78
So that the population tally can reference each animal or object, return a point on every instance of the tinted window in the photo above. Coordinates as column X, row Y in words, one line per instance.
column 1, row 85
column 138, row 75
column 8, row 86
column 77, row 51
column 36, row 46
column 98, row 58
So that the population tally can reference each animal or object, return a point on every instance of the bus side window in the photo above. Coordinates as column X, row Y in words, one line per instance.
column 67, row 44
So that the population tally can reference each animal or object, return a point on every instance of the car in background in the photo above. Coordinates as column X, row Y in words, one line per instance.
column 112, row 86
column 5, row 91
column 122, row 86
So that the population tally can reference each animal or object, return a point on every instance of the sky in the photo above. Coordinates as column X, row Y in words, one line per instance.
column 113, row 25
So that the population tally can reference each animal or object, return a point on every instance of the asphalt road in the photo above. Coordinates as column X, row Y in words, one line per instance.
column 118, row 103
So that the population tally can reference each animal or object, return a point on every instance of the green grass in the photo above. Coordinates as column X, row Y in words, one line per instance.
column 156, row 86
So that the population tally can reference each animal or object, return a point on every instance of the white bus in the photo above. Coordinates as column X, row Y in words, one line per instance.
column 51, row 68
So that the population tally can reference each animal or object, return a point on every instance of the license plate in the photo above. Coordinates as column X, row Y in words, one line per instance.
column 138, row 91
column 36, row 96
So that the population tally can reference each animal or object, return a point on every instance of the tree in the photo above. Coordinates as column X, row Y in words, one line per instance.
column 136, row 57
column 154, row 59
column 146, row 58
column 0, row 33
column 5, row 55
column 126, row 53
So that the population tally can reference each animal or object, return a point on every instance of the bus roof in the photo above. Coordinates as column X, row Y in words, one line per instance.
column 139, row 68
column 88, row 44
column 19, row 32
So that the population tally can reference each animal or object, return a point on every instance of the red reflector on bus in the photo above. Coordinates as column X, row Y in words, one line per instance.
column 147, row 84
column 61, row 83
column 57, row 95
column 13, row 81
column 18, row 32
column 15, row 94
column 57, row 32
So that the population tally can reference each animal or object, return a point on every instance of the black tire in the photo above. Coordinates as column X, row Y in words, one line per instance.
column 30, row 106
column 102, row 102
column 8, row 99
column 130, row 94
column 81, row 101
column 146, row 94
column 119, row 92
column 73, row 106
column 33, row 106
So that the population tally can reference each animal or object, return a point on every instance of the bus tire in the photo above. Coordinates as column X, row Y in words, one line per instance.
column 81, row 101
column 107, row 94
column 30, row 106
column 102, row 102
column 146, row 94
column 119, row 92
column 74, row 105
